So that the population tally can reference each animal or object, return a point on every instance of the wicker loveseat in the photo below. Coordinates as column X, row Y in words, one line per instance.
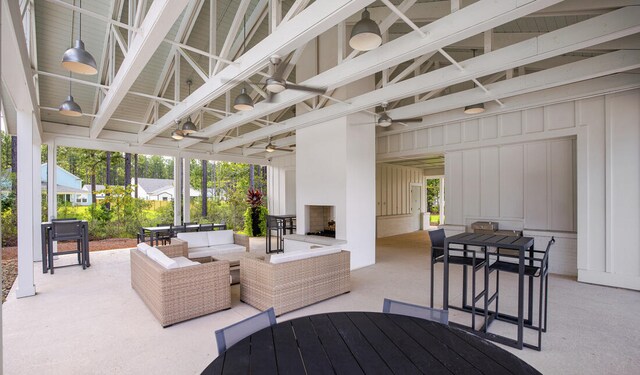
column 291, row 285
column 175, row 295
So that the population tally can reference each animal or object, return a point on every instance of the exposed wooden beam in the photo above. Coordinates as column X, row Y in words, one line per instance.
column 89, row 13
column 610, row 63
column 576, row 91
column 314, row 20
column 469, row 21
column 159, row 20
column 430, row 11
column 16, row 68
column 232, row 32
column 609, row 26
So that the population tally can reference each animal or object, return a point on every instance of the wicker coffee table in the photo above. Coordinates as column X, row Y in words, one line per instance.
column 234, row 262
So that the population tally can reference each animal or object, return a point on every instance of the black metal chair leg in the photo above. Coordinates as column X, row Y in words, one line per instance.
column 497, row 290
column 546, row 300
column 473, row 293
column 432, row 279
column 50, row 256
column 465, row 280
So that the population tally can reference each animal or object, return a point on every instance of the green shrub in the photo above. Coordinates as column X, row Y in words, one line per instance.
column 248, row 221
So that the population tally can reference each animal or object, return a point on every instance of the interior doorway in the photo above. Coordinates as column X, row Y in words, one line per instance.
column 416, row 203
column 434, row 198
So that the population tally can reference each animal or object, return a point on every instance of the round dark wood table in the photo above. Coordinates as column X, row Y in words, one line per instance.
column 365, row 343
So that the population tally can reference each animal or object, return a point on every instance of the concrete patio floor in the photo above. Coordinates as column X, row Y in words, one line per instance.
column 91, row 321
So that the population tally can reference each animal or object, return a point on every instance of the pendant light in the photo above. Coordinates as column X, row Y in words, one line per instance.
column 365, row 34
column 189, row 127
column 474, row 109
column 177, row 134
column 69, row 107
column 243, row 102
column 77, row 59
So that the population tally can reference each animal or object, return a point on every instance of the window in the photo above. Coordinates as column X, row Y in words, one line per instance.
column 164, row 198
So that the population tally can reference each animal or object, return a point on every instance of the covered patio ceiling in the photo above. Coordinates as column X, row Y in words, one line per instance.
column 436, row 56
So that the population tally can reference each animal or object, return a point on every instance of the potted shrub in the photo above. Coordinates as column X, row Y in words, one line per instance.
column 255, row 215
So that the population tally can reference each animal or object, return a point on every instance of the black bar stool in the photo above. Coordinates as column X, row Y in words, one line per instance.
column 67, row 230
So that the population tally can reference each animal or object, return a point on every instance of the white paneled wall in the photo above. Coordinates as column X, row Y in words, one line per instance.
column 393, row 189
column 550, row 169
column 281, row 185
column 520, row 186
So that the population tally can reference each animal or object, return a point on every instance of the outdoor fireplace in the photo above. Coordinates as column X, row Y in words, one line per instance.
column 320, row 221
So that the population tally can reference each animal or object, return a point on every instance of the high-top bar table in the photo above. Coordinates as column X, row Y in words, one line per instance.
column 484, row 242
column 365, row 343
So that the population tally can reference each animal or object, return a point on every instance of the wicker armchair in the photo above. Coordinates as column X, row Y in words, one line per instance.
column 292, row 285
column 175, row 295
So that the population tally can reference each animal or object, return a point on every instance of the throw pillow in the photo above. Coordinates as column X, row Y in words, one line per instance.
column 160, row 258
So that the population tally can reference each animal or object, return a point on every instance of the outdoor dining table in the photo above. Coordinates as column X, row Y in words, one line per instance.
column 365, row 343
column 482, row 242
column 153, row 232
column 45, row 233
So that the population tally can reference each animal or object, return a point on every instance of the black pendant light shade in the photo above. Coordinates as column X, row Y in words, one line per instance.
column 189, row 127
column 243, row 101
column 70, row 108
column 78, row 60
column 384, row 120
column 365, row 34
column 474, row 109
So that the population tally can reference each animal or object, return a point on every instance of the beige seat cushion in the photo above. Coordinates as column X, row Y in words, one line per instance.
column 184, row 262
column 215, row 250
column 160, row 258
column 219, row 237
column 304, row 254
column 195, row 239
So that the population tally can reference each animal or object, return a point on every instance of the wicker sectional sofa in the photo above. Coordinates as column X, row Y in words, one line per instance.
column 291, row 285
column 212, row 243
column 175, row 295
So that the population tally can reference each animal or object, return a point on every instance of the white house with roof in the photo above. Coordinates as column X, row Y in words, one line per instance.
column 158, row 189
column 86, row 194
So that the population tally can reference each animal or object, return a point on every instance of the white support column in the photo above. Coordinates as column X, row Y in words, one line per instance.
column 52, row 188
column 177, row 183
column 27, row 188
column 441, row 201
column 186, row 188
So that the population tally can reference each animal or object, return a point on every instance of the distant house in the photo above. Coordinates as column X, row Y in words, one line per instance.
column 87, row 197
column 68, row 185
column 158, row 189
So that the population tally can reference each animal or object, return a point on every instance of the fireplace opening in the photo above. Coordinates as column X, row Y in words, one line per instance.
column 321, row 221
